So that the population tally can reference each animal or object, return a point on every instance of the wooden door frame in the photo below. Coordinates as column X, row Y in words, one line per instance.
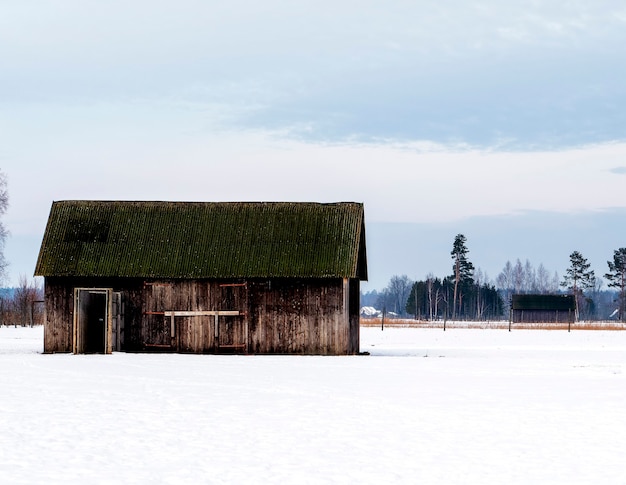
column 76, row 330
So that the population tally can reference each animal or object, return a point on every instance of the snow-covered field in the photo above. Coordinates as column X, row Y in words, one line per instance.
column 427, row 406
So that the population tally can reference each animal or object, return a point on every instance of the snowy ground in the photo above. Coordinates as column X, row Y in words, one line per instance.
column 427, row 406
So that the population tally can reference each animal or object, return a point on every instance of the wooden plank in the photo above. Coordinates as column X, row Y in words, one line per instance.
column 240, row 347
column 211, row 313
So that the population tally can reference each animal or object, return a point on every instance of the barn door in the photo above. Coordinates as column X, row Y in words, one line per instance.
column 92, row 321
column 117, row 320
column 231, row 331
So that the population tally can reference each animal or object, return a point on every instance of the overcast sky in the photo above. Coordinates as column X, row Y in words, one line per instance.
column 428, row 111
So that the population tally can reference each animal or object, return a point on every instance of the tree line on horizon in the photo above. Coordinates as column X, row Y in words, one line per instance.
column 20, row 305
column 23, row 305
column 469, row 294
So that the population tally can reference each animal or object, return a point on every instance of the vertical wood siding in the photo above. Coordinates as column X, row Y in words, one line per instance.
column 287, row 316
column 59, row 298
column 57, row 335
column 301, row 317
column 542, row 316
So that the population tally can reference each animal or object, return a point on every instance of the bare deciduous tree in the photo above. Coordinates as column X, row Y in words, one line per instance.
column 4, row 205
column 480, row 279
column 25, row 310
column 504, row 282
column 542, row 280
column 398, row 291
column 518, row 277
column 434, row 296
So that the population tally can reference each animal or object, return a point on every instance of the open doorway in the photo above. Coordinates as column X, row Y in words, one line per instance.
column 92, row 321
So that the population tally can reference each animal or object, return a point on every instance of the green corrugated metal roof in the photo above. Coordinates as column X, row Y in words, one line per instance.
column 204, row 240
column 544, row 302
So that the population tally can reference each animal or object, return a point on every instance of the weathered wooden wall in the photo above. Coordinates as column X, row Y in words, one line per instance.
column 194, row 333
column 542, row 316
column 302, row 317
column 57, row 335
column 318, row 316
column 59, row 302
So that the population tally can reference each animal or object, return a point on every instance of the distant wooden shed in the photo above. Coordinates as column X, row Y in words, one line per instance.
column 543, row 308
column 203, row 277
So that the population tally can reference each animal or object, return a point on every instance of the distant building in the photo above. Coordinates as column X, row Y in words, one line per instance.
column 543, row 309
column 203, row 277
column 370, row 312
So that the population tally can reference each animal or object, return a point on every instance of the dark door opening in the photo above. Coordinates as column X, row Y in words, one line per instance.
column 92, row 321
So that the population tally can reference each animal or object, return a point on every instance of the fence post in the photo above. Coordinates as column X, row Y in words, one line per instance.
column 569, row 320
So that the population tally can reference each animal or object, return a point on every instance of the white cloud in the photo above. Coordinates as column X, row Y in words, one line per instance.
column 469, row 71
column 108, row 152
column 241, row 100
column 199, row 100
column 90, row 34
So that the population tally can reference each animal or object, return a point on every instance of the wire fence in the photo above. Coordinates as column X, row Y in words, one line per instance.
column 491, row 324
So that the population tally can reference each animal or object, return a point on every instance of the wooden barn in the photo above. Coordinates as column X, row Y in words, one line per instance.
column 203, row 277
column 543, row 308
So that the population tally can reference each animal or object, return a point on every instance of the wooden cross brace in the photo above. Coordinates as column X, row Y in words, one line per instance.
column 215, row 313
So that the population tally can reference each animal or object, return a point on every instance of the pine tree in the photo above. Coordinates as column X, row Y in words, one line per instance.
column 463, row 270
column 578, row 277
column 617, row 277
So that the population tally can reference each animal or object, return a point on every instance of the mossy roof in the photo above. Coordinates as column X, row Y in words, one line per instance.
column 544, row 302
column 204, row 240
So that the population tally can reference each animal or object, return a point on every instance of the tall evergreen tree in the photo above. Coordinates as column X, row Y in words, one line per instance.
column 463, row 271
column 578, row 277
column 417, row 303
column 617, row 277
